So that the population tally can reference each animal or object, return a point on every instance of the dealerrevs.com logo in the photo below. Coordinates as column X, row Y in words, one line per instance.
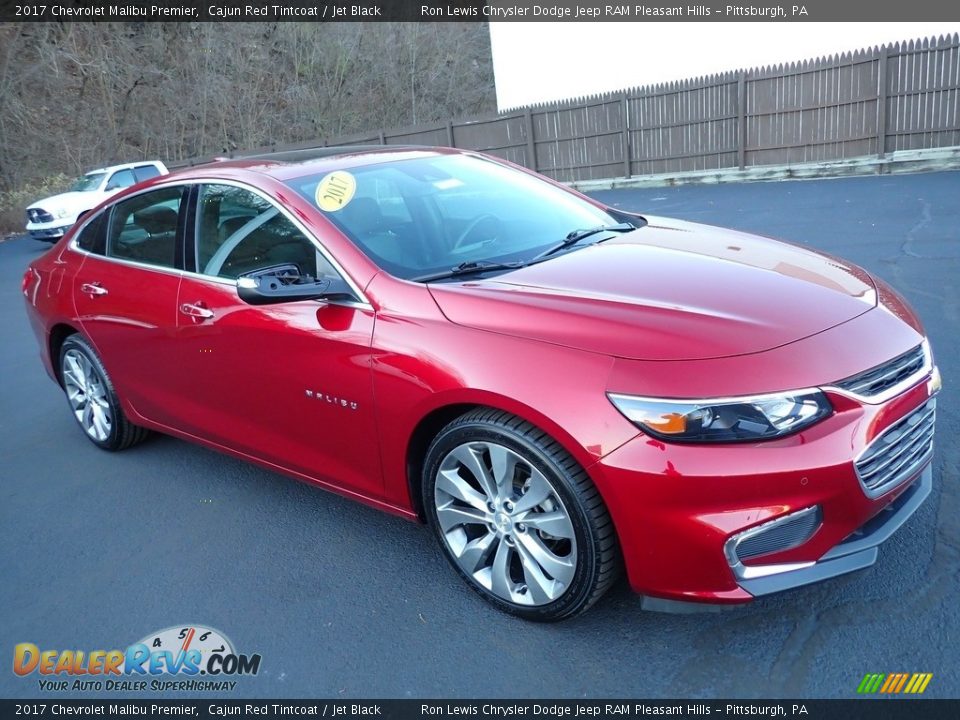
column 188, row 658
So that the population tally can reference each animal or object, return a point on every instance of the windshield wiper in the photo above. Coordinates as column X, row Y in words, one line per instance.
column 468, row 268
column 576, row 236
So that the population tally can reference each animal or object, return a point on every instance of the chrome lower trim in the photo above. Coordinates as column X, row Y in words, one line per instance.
column 747, row 572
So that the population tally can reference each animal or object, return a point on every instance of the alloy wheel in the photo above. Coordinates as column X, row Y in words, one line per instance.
column 87, row 394
column 505, row 524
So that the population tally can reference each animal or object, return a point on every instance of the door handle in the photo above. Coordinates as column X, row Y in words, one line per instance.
column 196, row 310
column 93, row 289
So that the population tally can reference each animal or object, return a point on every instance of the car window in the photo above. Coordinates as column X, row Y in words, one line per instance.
column 144, row 227
column 121, row 179
column 87, row 183
column 238, row 232
column 145, row 172
column 93, row 236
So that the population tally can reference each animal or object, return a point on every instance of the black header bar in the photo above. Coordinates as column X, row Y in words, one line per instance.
column 474, row 11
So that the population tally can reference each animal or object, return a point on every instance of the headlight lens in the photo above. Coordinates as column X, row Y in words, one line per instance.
column 759, row 417
column 62, row 213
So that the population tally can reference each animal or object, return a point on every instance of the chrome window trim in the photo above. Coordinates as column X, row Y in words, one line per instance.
column 891, row 392
column 749, row 572
column 362, row 304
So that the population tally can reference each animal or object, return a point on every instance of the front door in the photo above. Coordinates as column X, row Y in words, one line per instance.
column 288, row 383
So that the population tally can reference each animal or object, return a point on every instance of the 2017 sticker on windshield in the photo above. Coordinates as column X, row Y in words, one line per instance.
column 335, row 191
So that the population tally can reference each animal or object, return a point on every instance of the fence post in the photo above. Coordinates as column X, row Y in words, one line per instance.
column 450, row 134
column 531, row 146
column 625, row 124
column 383, row 138
column 882, row 102
column 742, row 119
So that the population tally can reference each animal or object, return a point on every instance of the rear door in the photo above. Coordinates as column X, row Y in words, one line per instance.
column 289, row 383
column 125, row 295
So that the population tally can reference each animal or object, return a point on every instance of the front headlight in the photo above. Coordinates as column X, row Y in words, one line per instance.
column 62, row 213
column 741, row 419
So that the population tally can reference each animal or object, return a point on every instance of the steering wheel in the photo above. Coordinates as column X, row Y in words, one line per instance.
column 486, row 218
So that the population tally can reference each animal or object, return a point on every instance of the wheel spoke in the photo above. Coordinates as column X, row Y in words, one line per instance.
column 554, row 523
column 86, row 417
column 555, row 566
column 88, row 375
column 99, row 425
column 541, row 588
column 476, row 553
column 449, row 482
column 537, row 491
column 470, row 459
column 450, row 516
column 74, row 372
column 503, row 462
column 500, row 582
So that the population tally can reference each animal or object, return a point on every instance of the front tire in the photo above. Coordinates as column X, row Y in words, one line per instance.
column 518, row 518
column 92, row 398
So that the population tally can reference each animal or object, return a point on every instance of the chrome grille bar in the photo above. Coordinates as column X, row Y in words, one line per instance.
column 892, row 374
column 899, row 452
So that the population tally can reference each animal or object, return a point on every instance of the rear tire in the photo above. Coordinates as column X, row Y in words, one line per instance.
column 92, row 398
column 518, row 518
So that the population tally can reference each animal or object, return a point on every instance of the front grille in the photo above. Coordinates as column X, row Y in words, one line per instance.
column 883, row 377
column 779, row 535
column 37, row 215
column 899, row 452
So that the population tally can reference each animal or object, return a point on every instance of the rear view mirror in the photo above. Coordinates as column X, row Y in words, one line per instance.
column 271, row 289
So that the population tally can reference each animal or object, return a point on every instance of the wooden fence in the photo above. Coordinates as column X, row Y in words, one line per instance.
column 895, row 97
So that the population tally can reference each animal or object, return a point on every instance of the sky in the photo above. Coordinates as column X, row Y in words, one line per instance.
column 541, row 62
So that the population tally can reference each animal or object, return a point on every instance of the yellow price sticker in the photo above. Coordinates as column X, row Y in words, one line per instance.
column 335, row 191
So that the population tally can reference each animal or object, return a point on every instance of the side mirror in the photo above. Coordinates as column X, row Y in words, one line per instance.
column 271, row 289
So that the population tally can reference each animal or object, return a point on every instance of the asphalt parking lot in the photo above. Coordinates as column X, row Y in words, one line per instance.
column 99, row 549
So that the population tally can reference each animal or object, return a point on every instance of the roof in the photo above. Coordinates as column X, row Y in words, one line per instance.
column 290, row 164
column 124, row 166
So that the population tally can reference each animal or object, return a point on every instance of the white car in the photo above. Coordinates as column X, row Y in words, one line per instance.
column 51, row 217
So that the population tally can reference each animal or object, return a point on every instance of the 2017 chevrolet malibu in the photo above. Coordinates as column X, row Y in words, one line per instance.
column 562, row 390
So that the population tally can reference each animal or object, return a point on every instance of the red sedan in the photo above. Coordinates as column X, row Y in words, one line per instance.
column 562, row 390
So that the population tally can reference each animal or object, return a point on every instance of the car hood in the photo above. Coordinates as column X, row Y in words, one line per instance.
column 671, row 290
column 68, row 201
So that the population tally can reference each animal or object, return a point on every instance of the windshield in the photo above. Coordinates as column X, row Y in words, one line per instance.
column 87, row 183
column 426, row 215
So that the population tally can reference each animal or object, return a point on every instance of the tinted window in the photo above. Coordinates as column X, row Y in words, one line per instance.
column 415, row 217
column 240, row 233
column 121, row 179
column 145, row 172
column 93, row 236
column 144, row 227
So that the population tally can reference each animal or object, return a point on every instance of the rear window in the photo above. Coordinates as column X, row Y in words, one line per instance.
column 93, row 237
column 145, row 172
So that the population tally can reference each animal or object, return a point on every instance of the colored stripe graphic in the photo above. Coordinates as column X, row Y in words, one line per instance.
column 894, row 683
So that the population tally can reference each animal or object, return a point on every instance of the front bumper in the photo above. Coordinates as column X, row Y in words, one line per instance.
column 45, row 232
column 857, row 552
column 677, row 508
